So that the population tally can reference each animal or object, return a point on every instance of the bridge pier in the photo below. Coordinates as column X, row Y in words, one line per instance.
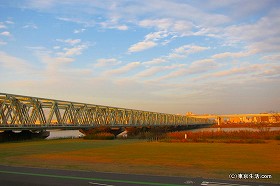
column 112, row 130
column 9, row 135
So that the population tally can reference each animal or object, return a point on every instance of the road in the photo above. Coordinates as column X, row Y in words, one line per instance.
column 26, row 176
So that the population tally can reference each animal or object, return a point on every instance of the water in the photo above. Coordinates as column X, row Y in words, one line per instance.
column 76, row 134
column 64, row 134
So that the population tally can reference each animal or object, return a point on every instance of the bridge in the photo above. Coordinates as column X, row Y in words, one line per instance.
column 19, row 112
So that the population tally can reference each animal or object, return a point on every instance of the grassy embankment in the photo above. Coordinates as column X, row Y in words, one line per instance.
column 216, row 160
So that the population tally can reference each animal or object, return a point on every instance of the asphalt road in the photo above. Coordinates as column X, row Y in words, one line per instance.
column 25, row 176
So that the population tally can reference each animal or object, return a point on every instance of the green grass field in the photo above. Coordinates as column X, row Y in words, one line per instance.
column 216, row 160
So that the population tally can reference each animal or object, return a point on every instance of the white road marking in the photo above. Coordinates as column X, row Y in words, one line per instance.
column 189, row 182
column 206, row 183
column 99, row 184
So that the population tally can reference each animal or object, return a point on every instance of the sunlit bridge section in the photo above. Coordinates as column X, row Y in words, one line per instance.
column 25, row 112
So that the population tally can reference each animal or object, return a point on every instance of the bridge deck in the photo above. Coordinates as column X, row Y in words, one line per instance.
column 25, row 112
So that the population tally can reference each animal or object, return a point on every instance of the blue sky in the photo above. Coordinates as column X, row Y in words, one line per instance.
column 166, row 56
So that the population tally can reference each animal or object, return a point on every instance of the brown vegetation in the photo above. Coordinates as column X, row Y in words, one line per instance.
column 100, row 136
column 241, row 136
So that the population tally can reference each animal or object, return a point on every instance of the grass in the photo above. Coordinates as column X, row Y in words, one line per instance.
column 216, row 160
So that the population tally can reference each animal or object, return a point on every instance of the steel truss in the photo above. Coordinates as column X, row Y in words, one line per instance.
column 18, row 111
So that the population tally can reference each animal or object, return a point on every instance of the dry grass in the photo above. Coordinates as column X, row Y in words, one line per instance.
column 241, row 136
column 182, row 159
column 100, row 136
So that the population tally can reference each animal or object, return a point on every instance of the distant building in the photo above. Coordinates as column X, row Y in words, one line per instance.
column 240, row 118
column 189, row 113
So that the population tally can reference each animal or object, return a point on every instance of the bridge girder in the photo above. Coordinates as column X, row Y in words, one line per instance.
column 25, row 112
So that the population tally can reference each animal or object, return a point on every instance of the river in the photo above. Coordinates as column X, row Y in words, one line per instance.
column 54, row 134
column 75, row 133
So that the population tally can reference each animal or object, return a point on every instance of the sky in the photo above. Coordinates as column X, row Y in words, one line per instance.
column 175, row 56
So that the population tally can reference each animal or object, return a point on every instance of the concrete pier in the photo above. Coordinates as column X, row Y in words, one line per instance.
column 10, row 135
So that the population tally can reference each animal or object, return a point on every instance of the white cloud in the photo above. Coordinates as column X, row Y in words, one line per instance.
column 122, row 27
column 40, row 4
column 228, row 54
column 76, row 47
column 249, row 72
column 77, row 31
column 150, row 71
column 187, row 11
column 155, row 69
column 273, row 72
column 179, row 52
column 106, row 62
column 13, row 63
column 269, row 45
column 201, row 66
column 214, row 32
column 151, row 40
column 63, row 59
column 123, row 69
column 185, row 50
column 182, row 26
column 233, row 71
column 189, row 49
column 143, row 45
column 114, row 23
column 234, row 54
column 160, row 24
column 157, row 35
column 177, row 73
column 74, row 51
column 2, row 25
column 275, row 57
column 85, row 23
column 234, row 10
column 31, row 26
column 262, row 35
column 36, row 48
column 167, row 41
column 70, row 41
column 196, row 67
column 9, row 22
column 56, row 47
column 154, row 61
column 5, row 33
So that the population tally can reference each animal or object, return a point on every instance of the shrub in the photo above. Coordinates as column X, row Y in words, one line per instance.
column 100, row 136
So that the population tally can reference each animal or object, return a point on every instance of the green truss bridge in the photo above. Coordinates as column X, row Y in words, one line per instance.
column 19, row 112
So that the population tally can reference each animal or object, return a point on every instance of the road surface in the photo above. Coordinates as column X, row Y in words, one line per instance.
column 26, row 176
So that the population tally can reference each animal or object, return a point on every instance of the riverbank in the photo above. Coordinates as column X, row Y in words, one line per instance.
column 239, row 136
column 215, row 160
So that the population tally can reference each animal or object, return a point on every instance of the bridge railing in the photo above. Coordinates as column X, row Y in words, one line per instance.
column 25, row 111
